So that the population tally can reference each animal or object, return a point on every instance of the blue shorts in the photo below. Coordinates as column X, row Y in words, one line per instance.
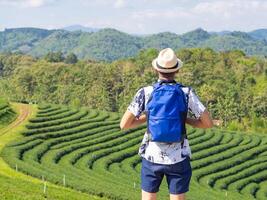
column 178, row 176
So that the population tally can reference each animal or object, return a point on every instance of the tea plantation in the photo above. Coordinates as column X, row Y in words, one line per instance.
column 6, row 113
column 85, row 150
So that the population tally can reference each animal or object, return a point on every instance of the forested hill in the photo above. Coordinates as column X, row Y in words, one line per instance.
column 231, row 84
column 110, row 44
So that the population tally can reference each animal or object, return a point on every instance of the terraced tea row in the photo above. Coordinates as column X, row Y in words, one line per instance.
column 7, row 115
column 88, row 149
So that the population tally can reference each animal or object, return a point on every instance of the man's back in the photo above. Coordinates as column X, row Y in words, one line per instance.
column 160, row 152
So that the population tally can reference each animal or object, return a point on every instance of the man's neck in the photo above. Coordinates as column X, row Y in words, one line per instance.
column 165, row 79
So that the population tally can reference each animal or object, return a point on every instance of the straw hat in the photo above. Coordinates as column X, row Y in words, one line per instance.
column 167, row 62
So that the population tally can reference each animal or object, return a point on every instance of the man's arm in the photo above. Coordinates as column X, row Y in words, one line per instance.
column 129, row 120
column 204, row 121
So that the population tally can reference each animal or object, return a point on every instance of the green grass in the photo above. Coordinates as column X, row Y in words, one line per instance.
column 88, row 148
column 18, row 186
column 19, row 189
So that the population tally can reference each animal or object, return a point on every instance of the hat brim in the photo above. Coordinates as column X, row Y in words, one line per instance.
column 166, row 70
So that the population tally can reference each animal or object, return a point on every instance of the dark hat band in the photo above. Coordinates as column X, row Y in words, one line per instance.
column 160, row 67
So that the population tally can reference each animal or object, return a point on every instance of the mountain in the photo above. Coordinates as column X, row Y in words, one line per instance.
column 78, row 27
column 21, row 39
column 59, row 40
column 195, row 37
column 260, row 34
column 237, row 40
column 162, row 40
column 110, row 44
column 220, row 32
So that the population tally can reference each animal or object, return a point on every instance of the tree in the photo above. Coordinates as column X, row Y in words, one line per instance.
column 227, row 82
column 1, row 68
column 71, row 59
column 54, row 57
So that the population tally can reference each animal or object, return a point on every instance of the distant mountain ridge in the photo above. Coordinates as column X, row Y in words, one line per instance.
column 110, row 44
column 259, row 34
column 78, row 27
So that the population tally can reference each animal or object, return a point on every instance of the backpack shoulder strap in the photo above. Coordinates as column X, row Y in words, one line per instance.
column 155, row 85
column 180, row 86
column 186, row 95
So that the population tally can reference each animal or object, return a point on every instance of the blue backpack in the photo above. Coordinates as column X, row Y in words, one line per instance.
column 166, row 112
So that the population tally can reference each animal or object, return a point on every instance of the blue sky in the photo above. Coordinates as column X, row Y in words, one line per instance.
column 136, row 16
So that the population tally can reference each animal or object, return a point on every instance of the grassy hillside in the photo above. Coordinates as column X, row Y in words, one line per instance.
column 86, row 150
column 110, row 44
column 18, row 186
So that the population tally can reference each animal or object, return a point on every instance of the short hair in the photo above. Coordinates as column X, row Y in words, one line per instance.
column 167, row 75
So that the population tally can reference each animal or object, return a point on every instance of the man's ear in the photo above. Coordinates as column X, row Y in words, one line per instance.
column 176, row 73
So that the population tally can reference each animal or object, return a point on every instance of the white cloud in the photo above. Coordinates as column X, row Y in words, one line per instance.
column 246, row 7
column 219, row 8
column 27, row 3
column 36, row 3
column 119, row 3
column 208, row 14
column 235, row 14
column 161, row 14
column 99, row 23
column 141, row 16
column 105, row 3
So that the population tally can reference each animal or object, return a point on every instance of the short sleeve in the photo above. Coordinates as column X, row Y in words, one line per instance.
column 194, row 104
column 137, row 105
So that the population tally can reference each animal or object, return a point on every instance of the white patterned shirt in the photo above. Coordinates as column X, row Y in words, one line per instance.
column 160, row 152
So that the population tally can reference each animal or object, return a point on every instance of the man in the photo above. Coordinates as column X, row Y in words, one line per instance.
column 160, row 156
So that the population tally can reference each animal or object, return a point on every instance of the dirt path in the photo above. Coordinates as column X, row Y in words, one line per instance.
column 24, row 112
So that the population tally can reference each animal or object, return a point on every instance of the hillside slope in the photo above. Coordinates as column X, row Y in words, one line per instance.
column 17, row 186
column 7, row 114
column 88, row 150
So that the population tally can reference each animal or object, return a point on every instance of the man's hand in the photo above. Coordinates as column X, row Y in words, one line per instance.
column 217, row 122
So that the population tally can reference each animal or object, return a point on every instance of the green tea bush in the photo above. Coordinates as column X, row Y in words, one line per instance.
column 89, row 149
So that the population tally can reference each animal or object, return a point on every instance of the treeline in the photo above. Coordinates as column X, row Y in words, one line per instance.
column 71, row 58
column 231, row 84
